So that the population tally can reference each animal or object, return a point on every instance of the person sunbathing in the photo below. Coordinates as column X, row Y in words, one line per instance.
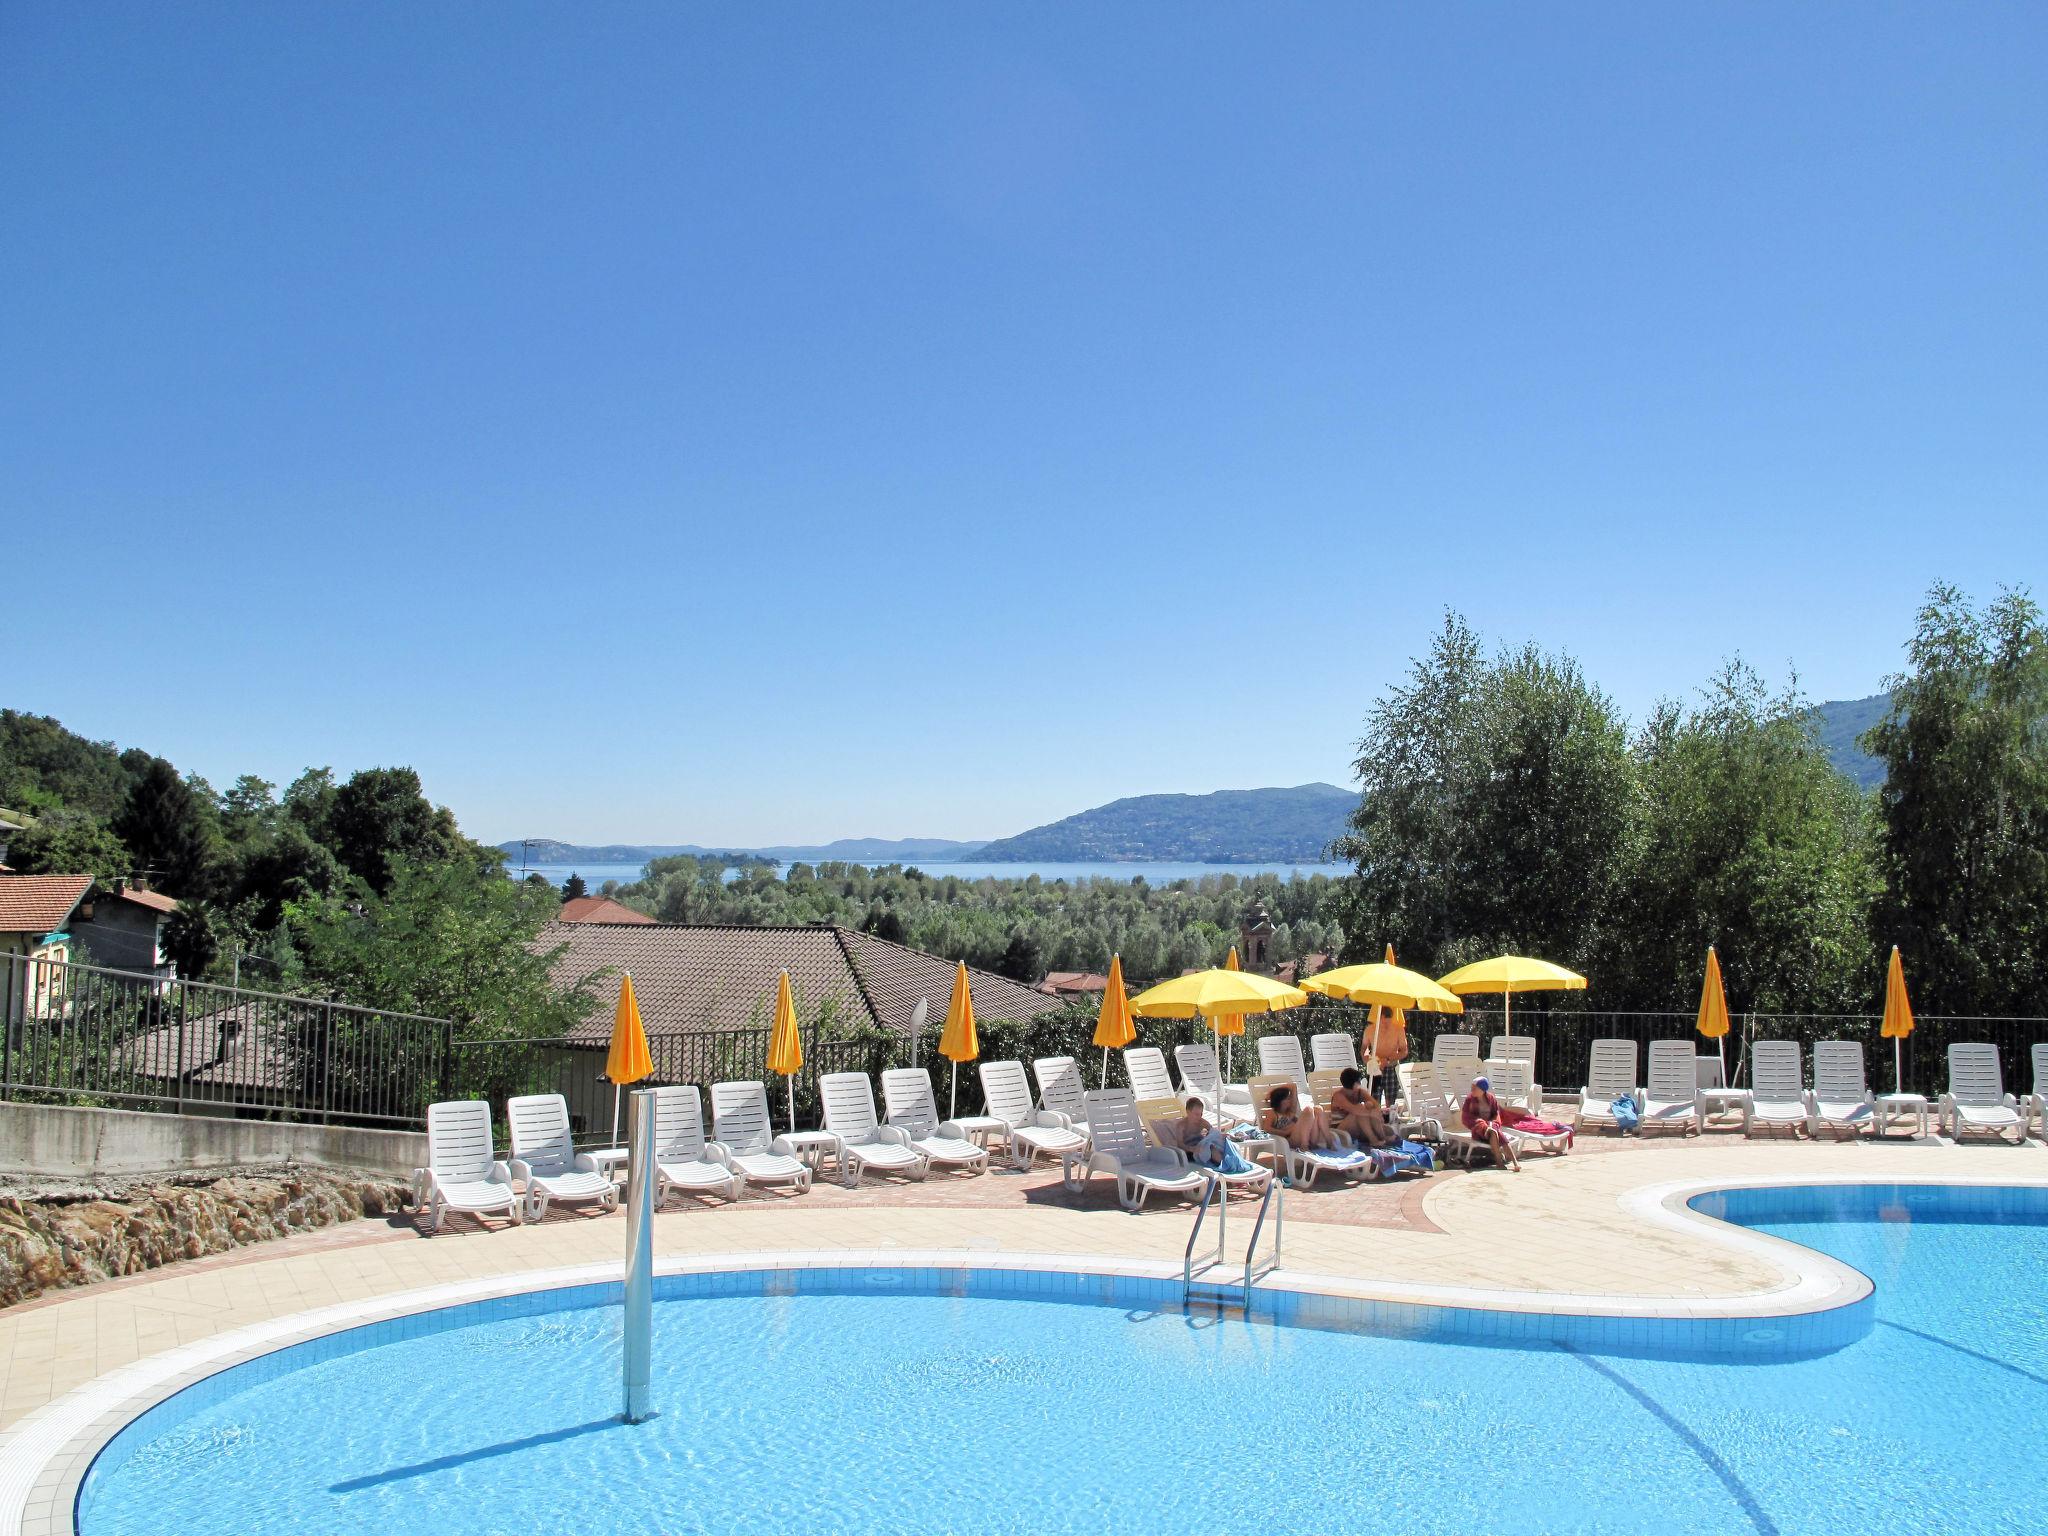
column 1300, row 1126
column 1481, row 1114
column 1357, row 1113
column 1205, row 1146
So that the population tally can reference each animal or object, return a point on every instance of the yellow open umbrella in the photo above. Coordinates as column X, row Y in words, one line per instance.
column 1898, row 1018
column 627, row 1060
column 785, row 1046
column 959, row 1042
column 1713, row 1022
column 1225, row 1025
column 1507, row 975
column 1209, row 994
column 1113, row 1026
column 1385, row 985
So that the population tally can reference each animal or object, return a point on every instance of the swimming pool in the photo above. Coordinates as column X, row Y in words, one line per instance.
column 882, row 1406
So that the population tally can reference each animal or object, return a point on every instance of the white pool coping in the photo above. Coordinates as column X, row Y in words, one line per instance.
column 44, row 1457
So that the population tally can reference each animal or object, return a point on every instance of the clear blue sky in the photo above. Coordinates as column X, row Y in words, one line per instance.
column 735, row 423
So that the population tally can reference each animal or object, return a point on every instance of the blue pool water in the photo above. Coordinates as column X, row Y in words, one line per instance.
column 969, row 1413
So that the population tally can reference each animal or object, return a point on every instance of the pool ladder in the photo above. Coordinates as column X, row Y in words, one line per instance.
column 1196, row 1283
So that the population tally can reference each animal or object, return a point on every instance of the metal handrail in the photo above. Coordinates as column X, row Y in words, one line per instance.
column 1252, row 1272
column 1187, row 1261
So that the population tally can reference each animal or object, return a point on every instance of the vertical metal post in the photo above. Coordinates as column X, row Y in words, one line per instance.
column 181, row 1044
column 639, row 1343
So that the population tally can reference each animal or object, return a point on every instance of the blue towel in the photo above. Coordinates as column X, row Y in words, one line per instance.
column 1626, row 1116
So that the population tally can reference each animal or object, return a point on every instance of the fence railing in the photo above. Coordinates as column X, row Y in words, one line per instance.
column 83, row 1034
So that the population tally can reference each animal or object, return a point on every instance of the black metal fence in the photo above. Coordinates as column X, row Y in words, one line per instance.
column 1564, row 1040
column 83, row 1034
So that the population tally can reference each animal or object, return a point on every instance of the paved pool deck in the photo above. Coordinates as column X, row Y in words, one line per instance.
column 1602, row 1229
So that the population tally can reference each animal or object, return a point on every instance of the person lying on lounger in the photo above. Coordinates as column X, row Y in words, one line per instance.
column 1204, row 1145
column 1299, row 1125
column 1481, row 1114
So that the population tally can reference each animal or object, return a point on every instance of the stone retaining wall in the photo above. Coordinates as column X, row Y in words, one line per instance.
column 80, row 1236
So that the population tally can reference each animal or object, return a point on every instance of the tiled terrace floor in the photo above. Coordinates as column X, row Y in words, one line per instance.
column 1558, row 1227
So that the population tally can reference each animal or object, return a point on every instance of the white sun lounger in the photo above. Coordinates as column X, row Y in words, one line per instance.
column 546, row 1160
column 1976, row 1099
column 463, row 1172
column 907, row 1094
column 681, row 1160
column 1840, row 1099
column 1280, row 1055
column 1305, row 1164
column 1121, row 1150
column 1145, row 1065
column 1028, row 1131
column 1671, row 1095
column 1332, row 1053
column 1061, row 1091
column 1202, row 1077
column 1511, row 1085
column 745, row 1140
column 2037, row 1101
column 1519, row 1048
column 1610, row 1074
column 864, row 1142
column 1450, row 1047
column 1776, row 1087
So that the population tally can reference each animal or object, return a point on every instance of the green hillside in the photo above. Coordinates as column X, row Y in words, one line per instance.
column 1231, row 826
column 1840, row 723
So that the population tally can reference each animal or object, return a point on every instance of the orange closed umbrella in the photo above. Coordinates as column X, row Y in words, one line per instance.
column 1226, row 1025
column 1114, row 1027
column 785, row 1045
column 627, row 1060
column 960, row 1042
column 1713, row 1020
column 1898, row 1018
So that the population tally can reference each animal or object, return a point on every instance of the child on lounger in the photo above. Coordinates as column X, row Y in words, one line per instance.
column 1204, row 1144
column 1481, row 1114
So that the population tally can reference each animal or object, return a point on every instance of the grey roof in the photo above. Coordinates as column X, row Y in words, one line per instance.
column 715, row 976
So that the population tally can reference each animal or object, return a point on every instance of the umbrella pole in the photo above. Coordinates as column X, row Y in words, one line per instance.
column 953, row 1106
column 1105, row 1066
column 1898, row 1067
column 791, row 1082
column 615, row 1114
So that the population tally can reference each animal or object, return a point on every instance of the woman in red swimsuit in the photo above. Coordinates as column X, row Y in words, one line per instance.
column 1481, row 1114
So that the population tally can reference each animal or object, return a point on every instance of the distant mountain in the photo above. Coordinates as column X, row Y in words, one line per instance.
column 1840, row 723
column 547, row 850
column 1231, row 826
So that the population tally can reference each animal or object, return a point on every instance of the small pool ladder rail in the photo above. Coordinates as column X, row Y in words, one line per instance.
column 1198, row 1277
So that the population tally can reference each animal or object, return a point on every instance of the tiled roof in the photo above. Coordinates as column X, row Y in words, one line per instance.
column 39, row 904
column 690, row 977
column 156, row 901
column 1062, row 983
column 600, row 909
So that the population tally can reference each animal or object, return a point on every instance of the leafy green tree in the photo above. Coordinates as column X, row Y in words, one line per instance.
column 380, row 817
column 1496, row 806
column 287, row 868
column 192, row 938
column 169, row 828
column 574, row 887
column 1963, row 810
column 448, row 940
column 1023, row 959
column 45, row 767
column 61, row 842
column 1750, row 840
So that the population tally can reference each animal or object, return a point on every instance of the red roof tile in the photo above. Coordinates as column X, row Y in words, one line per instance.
column 599, row 909
column 39, row 904
column 156, row 901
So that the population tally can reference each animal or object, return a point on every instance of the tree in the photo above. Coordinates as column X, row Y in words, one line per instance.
column 1496, row 804
column 379, row 817
column 68, row 843
column 448, row 940
column 192, row 938
column 1750, row 840
column 574, row 887
column 1963, row 811
column 170, row 830
column 1023, row 960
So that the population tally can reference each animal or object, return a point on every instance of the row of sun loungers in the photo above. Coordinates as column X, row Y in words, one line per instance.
column 1103, row 1131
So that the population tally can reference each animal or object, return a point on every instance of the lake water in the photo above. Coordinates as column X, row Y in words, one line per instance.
column 1155, row 872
